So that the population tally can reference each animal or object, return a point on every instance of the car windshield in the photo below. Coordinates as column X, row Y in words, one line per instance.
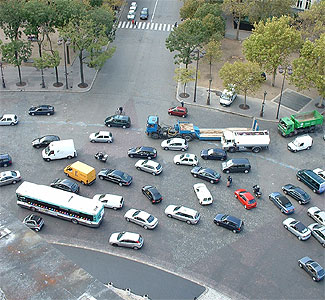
column 177, row 208
column 224, row 217
column 13, row 173
column 225, row 96
column 295, row 142
column 301, row 227
column 302, row 193
column 287, row 204
column 101, row 196
column 321, row 272
column 159, row 166
column 150, row 219
column 182, row 156
column 251, row 201
column 120, row 235
column 136, row 213
column 97, row 133
column 210, row 151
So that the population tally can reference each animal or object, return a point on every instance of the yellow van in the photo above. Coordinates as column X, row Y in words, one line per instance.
column 81, row 172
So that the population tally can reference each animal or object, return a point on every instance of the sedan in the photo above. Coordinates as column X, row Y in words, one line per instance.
column 133, row 6
column 144, row 14
column 65, row 185
column 126, row 239
column 115, row 176
column 149, row 166
column 178, row 111
column 175, row 144
column 296, row 193
column 110, row 201
column 186, row 159
column 141, row 218
column 188, row 215
column 282, row 202
column 312, row 267
column 297, row 228
column 101, row 137
column 229, row 222
column 203, row 194
column 245, row 198
column 131, row 15
column 44, row 141
column 143, row 152
column 9, row 177
column 318, row 231
column 206, row 174
column 214, row 153
column 34, row 222
column 152, row 194
column 41, row 110
column 8, row 119
column 317, row 214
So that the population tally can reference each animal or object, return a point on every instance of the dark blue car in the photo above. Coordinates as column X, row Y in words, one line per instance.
column 214, row 153
column 282, row 202
column 41, row 110
column 296, row 193
column 229, row 222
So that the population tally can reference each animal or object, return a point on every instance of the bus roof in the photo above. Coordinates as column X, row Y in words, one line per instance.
column 61, row 198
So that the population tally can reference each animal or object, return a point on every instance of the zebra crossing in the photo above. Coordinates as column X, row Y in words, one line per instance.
column 145, row 26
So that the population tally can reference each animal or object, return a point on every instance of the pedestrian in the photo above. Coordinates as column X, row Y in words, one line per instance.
column 133, row 21
column 175, row 25
column 182, row 103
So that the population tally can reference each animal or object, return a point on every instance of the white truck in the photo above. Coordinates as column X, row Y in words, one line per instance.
column 59, row 149
column 254, row 141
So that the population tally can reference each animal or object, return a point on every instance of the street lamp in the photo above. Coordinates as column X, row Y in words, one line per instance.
column 263, row 103
column 65, row 42
column 197, row 52
column 2, row 77
column 283, row 70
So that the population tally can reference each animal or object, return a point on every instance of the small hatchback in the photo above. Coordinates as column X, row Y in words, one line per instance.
column 182, row 213
column 312, row 267
column 245, row 198
column 149, row 166
column 34, row 222
column 178, row 111
column 232, row 223
column 142, row 218
column 186, row 159
column 152, row 193
column 65, row 185
column 214, row 153
column 126, row 239
column 8, row 119
column 9, row 177
column 118, row 121
column 5, row 160
column 175, row 144
column 101, row 137
column 282, row 202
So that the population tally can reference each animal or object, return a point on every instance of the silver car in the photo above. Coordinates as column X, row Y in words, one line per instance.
column 101, row 137
column 317, row 214
column 174, row 144
column 141, row 218
column 9, row 177
column 297, row 228
column 318, row 231
column 126, row 239
column 8, row 119
column 149, row 166
column 188, row 215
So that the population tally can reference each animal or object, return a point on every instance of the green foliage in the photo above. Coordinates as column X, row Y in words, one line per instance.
column 244, row 76
column 103, row 17
column 206, row 9
column 185, row 38
column 189, row 8
column 47, row 61
column 15, row 52
column 96, row 3
column 271, row 44
column 97, row 61
column 215, row 26
column 185, row 76
column 213, row 52
column 309, row 68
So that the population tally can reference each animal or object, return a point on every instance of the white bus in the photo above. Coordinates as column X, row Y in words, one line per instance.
column 61, row 204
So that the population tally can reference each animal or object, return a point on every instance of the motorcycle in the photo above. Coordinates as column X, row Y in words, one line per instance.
column 101, row 156
column 256, row 190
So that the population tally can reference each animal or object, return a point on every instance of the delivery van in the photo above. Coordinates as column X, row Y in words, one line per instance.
column 81, row 172
column 59, row 150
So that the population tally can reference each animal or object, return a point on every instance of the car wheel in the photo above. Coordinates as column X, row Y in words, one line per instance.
column 282, row 210
column 92, row 141
column 115, row 208
column 169, row 215
column 101, row 177
column 5, row 165
column 120, row 184
column 145, row 227
column 308, row 214
column 298, row 178
column 299, row 238
column 308, row 148
column 82, row 183
column 183, row 116
column 47, row 159
column 67, row 174
column 131, row 155
column 323, row 245
column 127, row 219
column 108, row 125
column 256, row 149
column 245, row 206
column 69, row 157
column 227, row 171
column 32, row 114
column 170, row 113
column 74, row 221
column 314, row 278
column 195, row 175
column 223, row 158
column 284, row 191
column 36, row 229
column 115, row 245
column 177, row 163
column 314, row 191
column 212, row 181
column 33, row 209
column 194, row 165
column 285, row 226
column 153, row 173
column 37, row 146
column 48, row 114
column 188, row 222
column 14, row 182
column 300, row 202
column 246, row 171
column 300, row 265
column 138, row 168
column 166, row 148
column 183, row 149
column 234, row 231
column 123, row 126
column 136, row 248
column 149, row 157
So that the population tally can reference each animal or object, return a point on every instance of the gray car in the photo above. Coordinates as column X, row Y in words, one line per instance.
column 175, row 144
column 188, row 215
column 126, row 239
column 34, row 222
column 313, row 268
column 318, row 231
column 9, row 177
column 142, row 218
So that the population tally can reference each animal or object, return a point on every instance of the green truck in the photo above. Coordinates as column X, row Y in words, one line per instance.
column 300, row 123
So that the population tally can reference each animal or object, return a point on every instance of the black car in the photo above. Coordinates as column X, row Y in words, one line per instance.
column 144, row 14
column 44, row 141
column 152, row 194
column 5, row 160
column 34, row 222
column 118, row 121
column 229, row 222
column 206, row 174
column 116, row 176
column 65, row 185
column 41, row 110
column 214, row 153
column 282, row 202
column 296, row 193
column 143, row 152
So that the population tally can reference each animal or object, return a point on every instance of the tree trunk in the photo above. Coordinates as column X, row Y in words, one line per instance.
column 245, row 102
column 320, row 104
column 56, row 75
column 19, row 75
column 273, row 77
column 237, row 29
column 184, row 88
column 40, row 55
column 81, row 69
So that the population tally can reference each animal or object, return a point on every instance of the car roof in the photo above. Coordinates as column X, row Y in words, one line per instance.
column 104, row 132
column 145, row 148
column 143, row 214
column 131, row 236
column 240, row 160
column 8, row 115
column 180, row 140
column 67, row 182
column 151, row 162
column 187, row 210
column 233, row 219
column 4, row 155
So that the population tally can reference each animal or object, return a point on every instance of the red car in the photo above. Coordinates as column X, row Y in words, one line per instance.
column 178, row 111
column 246, row 198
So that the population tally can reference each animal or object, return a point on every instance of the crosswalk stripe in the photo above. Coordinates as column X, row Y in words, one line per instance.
column 168, row 27
column 148, row 24
column 128, row 24
column 164, row 27
column 160, row 25
column 152, row 25
column 145, row 25
column 156, row 26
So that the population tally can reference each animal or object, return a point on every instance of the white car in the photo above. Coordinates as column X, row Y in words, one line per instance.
column 133, row 6
column 149, row 166
column 319, row 172
column 203, row 194
column 186, row 159
column 174, row 144
column 297, row 228
column 317, row 214
column 110, row 201
column 228, row 96
column 131, row 15
column 126, row 239
column 303, row 142
column 8, row 119
column 188, row 215
column 141, row 218
column 101, row 137
column 9, row 177
column 318, row 231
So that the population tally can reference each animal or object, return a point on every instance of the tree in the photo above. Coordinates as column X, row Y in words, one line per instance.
column 102, row 16
column 236, row 8
column 15, row 52
column 243, row 76
column 184, row 76
column 185, row 39
column 311, row 22
column 189, row 8
column 271, row 44
column 213, row 54
column 309, row 68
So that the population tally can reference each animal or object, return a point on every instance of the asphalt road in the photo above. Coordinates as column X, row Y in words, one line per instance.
column 259, row 263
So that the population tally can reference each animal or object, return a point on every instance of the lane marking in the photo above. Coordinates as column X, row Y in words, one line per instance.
column 154, row 10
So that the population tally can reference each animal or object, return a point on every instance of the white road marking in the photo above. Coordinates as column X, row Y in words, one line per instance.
column 148, row 24
column 152, row 24
column 164, row 27
column 168, row 27
column 154, row 10
column 156, row 26
column 127, row 25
